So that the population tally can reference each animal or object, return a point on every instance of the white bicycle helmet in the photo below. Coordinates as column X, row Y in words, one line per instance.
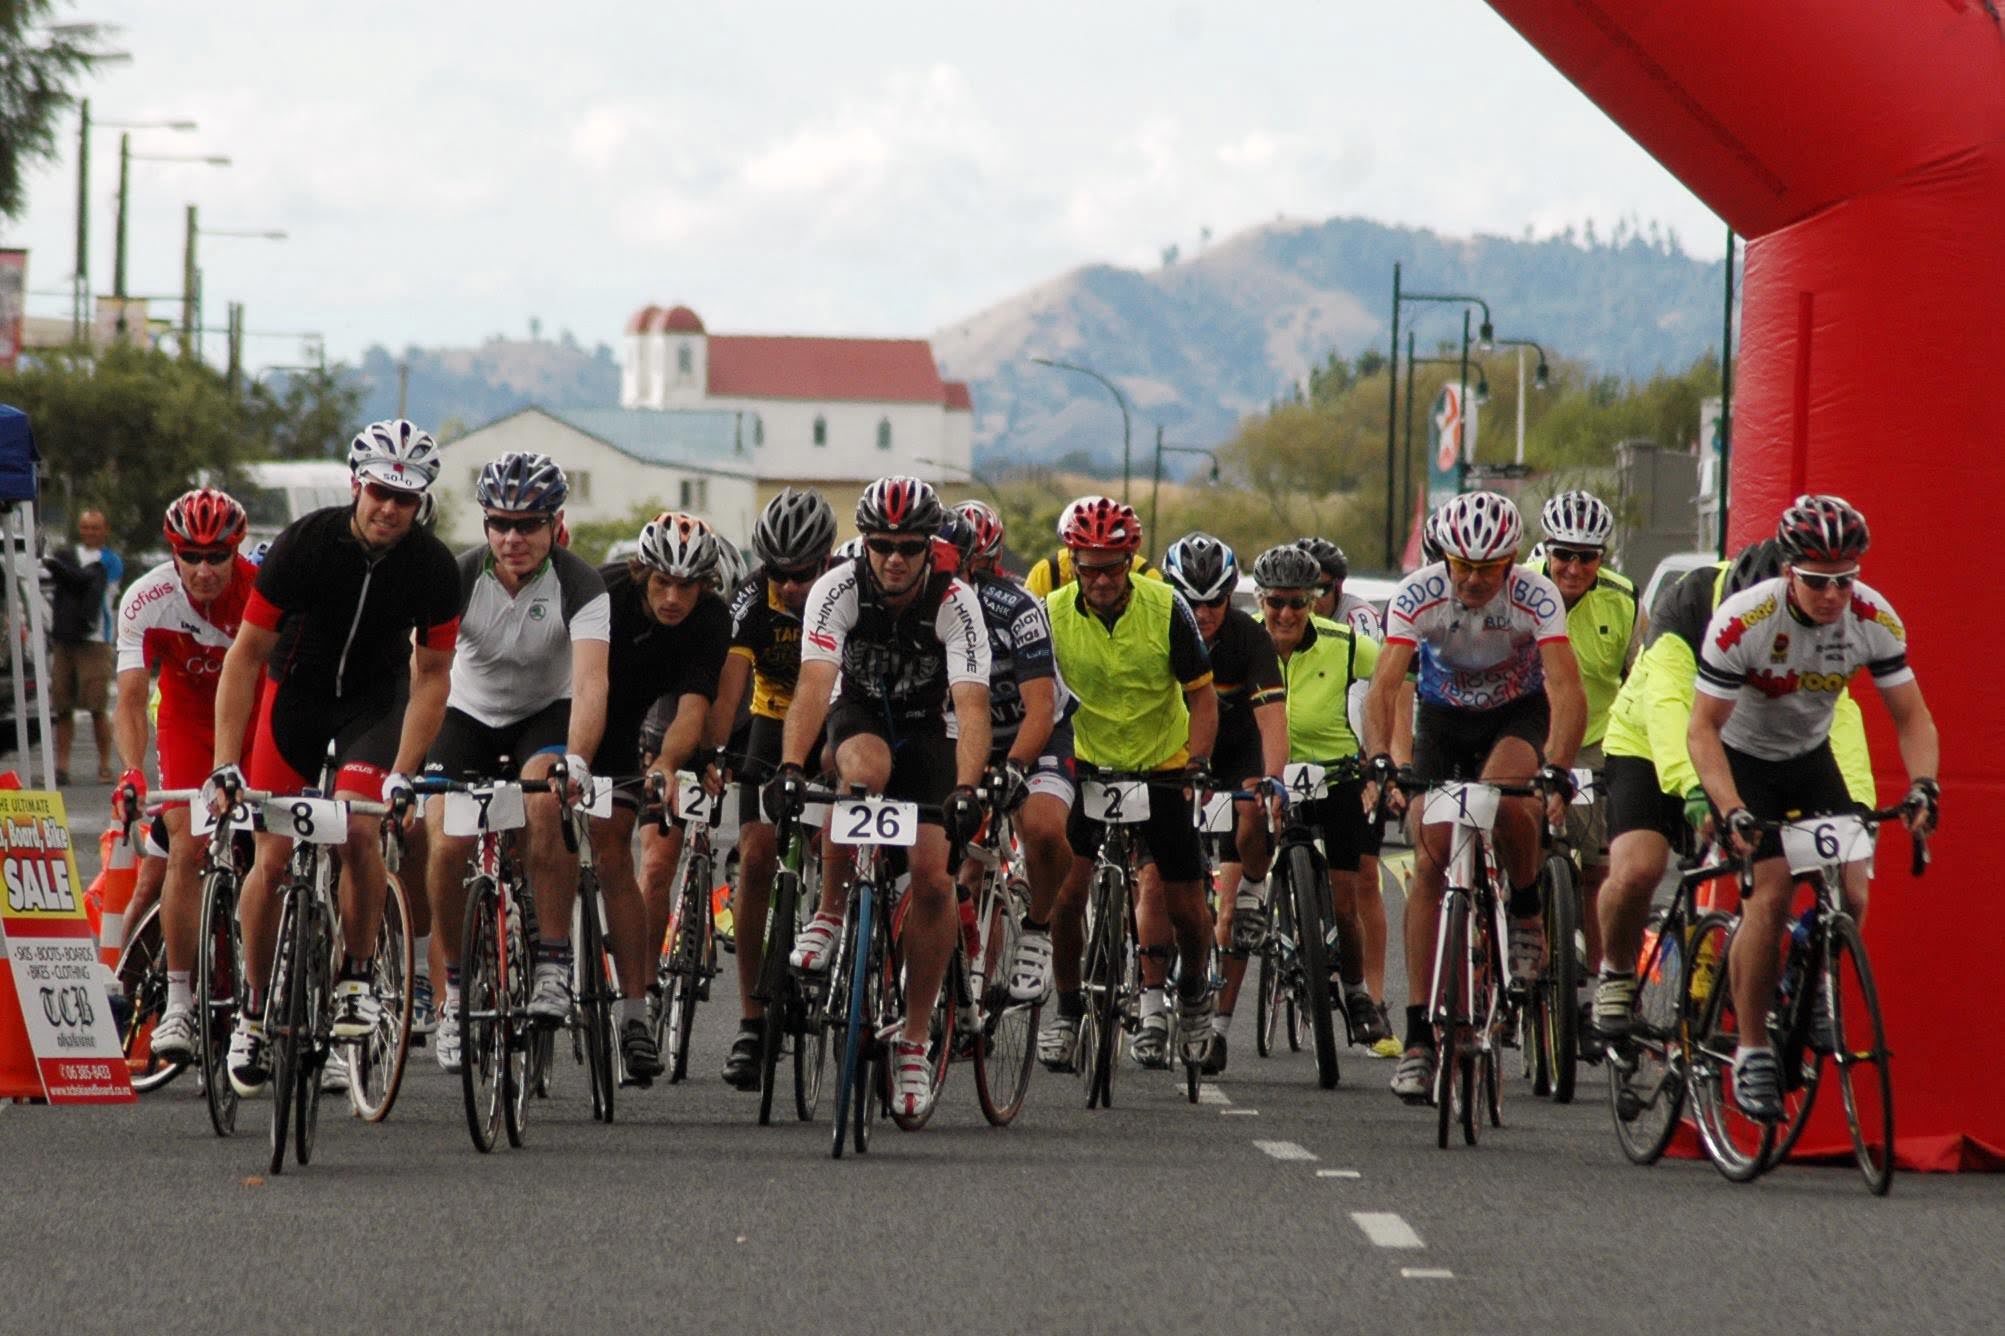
column 1578, row 519
column 395, row 453
column 679, row 546
column 1481, row 526
column 731, row 568
column 1201, row 567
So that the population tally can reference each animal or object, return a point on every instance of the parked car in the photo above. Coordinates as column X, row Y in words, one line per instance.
column 1669, row 571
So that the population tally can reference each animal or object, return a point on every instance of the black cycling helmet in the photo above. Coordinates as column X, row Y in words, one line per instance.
column 1287, row 567
column 1756, row 562
column 1201, row 567
column 796, row 530
column 899, row 505
column 522, row 480
column 1336, row 566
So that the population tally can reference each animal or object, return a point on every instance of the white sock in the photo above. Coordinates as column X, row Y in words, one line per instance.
column 1256, row 889
column 180, row 992
column 421, row 955
column 633, row 1009
column 452, row 998
column 1221, row 1022
column 1155, row 1002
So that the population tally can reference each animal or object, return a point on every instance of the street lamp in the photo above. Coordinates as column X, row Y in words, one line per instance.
column 126, row 157
column 80, row 281
column 1156, row 487
column 968, row 474
column 1482, row 396
column 1540, row 380
column 1119, row 398
column 1392, row 389
column 191, row 277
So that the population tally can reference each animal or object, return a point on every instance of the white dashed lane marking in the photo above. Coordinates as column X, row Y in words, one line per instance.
column 1285, row 1150
column 1211, row 1094
column 1338, row 1173
column 1426, row 1273
column 1386, row 1230
column 1239, row 1113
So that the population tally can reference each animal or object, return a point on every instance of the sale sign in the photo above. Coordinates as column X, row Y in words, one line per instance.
column 52, row 956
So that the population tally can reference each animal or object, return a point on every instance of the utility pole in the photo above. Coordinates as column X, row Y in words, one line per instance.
column 191, row 292
column 403, row 387
column 236, row 341
column 1391, row 413
column 81, row 281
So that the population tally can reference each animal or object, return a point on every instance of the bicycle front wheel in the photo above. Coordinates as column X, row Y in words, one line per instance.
column 858, row 1010
column 1739, row 1146
column 483, row 1004
column 1103, row 980
column 1448, row 1009
column 777, row 990
column 686, row 954
column 378, row 1060
column 1006, row 1039
column 219, row 975
column 1646, row 1071
column 1560, row 984
column 316, row 974
column 1859, row 1044
column 142, row 990
column 595, row 998
column 1306, row 881
column 285, row 1017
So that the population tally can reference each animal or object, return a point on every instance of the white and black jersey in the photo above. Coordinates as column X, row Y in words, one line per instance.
column 900, row 663
column 1020, row 651
column 514, row 653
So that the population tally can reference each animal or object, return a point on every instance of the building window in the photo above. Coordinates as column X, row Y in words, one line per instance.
column 581, row 485
column 821, row 430
column 884, row 433
column 683, row 363
column 695, row 493
column 758, row 430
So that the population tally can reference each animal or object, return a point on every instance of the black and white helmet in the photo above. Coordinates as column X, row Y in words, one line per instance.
column 678, row 545
column 1756, row 562
column 396, row 454
column 1335, row 565
column 1481, row 526
column 899, row 505
column 1430, row 537
column 1201, row 567
column 1287, row 567
column 1578, row 519
column 522, row 480
column 796, row 530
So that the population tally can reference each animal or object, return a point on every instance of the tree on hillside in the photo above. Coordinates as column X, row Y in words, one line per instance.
column 310, row 416
column 39, row 66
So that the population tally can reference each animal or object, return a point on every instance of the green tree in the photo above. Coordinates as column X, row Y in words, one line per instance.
column 310, row 416
column 39, row 65
column 592, row 540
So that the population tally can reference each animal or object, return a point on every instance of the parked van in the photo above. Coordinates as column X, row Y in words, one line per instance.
column 277, row 492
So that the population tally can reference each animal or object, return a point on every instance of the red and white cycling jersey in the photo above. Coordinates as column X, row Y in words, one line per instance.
column 159, row 625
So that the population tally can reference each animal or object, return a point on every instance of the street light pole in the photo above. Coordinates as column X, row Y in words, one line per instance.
column 80, row 281
column 1156, row 488
column 191, row 277
column 1391, row 407
column 1538, row 382
column 1127, row 469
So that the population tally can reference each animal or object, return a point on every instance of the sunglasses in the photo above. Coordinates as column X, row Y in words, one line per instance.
column 402, row 499
column 1297, row 603
column 1461, row 567
column 1100, row 572
column 909, row 547
column 805, row 575
column 1221, row 601
column 220, row 557
column 1581, row 556
column 525, row 526
column 1820, row 583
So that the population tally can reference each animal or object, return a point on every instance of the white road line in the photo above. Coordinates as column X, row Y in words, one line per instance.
column 1211, row 1094
column 1426, row 1273
column 1239, row 1113
column 1338, row 1173
column 1285, row 1150
column 1386, row 1230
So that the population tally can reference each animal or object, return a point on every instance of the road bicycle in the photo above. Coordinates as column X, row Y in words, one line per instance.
column 688, row 961
column 795, row 1003
column 1550, row 1028
column 998, row 1033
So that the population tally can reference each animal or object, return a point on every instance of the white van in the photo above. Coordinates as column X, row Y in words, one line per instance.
column 277, row 492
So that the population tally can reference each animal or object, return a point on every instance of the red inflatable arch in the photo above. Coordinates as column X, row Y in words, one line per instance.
column 1861, row 150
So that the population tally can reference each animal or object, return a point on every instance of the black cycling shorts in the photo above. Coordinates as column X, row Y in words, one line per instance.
column 467, row 749
column 1340, row 820
column 1784, row 790
column 922, row 760
column 1170, row 834
column 753, row 761
column 1450, row 744
column 1237, row 760
column 289, row 745
column 1635, row 802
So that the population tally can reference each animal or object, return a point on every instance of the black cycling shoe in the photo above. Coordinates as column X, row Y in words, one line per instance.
column 637, row 1051
column 1214, row 1057
column 741, row 1069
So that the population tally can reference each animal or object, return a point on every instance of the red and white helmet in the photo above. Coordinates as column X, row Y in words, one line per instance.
column 899, row 505
column 206, row 518
column 1481, row 526
column 1822, row 528
column 987, row 525
column 1102, row 524
column 395, row 453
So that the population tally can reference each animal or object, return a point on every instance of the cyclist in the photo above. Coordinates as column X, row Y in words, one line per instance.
column 792, row 539
column 528, row 687
column 1770, row 668
column 1252, row 747
column 1131, row 651
column 180, row 617
column 1499, row 690
column 1653, row 792
column 331, row 618
column 1601, row 625
column 1332, row 603
column 1030, row 731
column 907, row 637
column 1320, row 659
column 1055, row 571
column 670, row 632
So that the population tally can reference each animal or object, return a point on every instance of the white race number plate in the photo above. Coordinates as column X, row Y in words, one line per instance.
column 1812, row 845
column 502, row 804
column 875, row 821
column 1119, row 803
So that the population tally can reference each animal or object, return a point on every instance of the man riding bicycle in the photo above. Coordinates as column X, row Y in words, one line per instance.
column 1499, row 695
column 1774, row 659
column 331, row 619
column 1252, row 747
column 906, row 636
column 1131, row 651
column 528, row 687
column 180, row 617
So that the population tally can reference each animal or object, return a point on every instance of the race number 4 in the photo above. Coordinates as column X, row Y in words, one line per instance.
column 875, row 821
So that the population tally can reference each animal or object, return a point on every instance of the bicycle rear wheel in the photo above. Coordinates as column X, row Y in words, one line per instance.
column 1738, row 1146
column 1006, row 1040
column 1447, row 1010
column 1646, row 1071
column 595, row 997
column 483, row 1005
column 1859, row 1041
column 142, row 989
column 285, row 1017
column 1559, row 985
column 1305, row 879
column 219, row 974
column 377, row 1062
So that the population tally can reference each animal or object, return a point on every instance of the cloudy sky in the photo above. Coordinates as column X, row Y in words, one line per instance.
column 447, row 171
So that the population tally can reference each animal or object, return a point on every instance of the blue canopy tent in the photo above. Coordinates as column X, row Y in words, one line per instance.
column 19, row 488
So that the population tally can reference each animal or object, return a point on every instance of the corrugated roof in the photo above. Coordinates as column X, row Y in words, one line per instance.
column 691, row 438
column 750, row 366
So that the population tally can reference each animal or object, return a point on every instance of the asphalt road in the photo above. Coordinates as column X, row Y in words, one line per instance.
column 1270, row 1206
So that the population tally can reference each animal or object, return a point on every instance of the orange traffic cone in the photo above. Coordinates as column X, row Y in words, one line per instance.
column 114, row 887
